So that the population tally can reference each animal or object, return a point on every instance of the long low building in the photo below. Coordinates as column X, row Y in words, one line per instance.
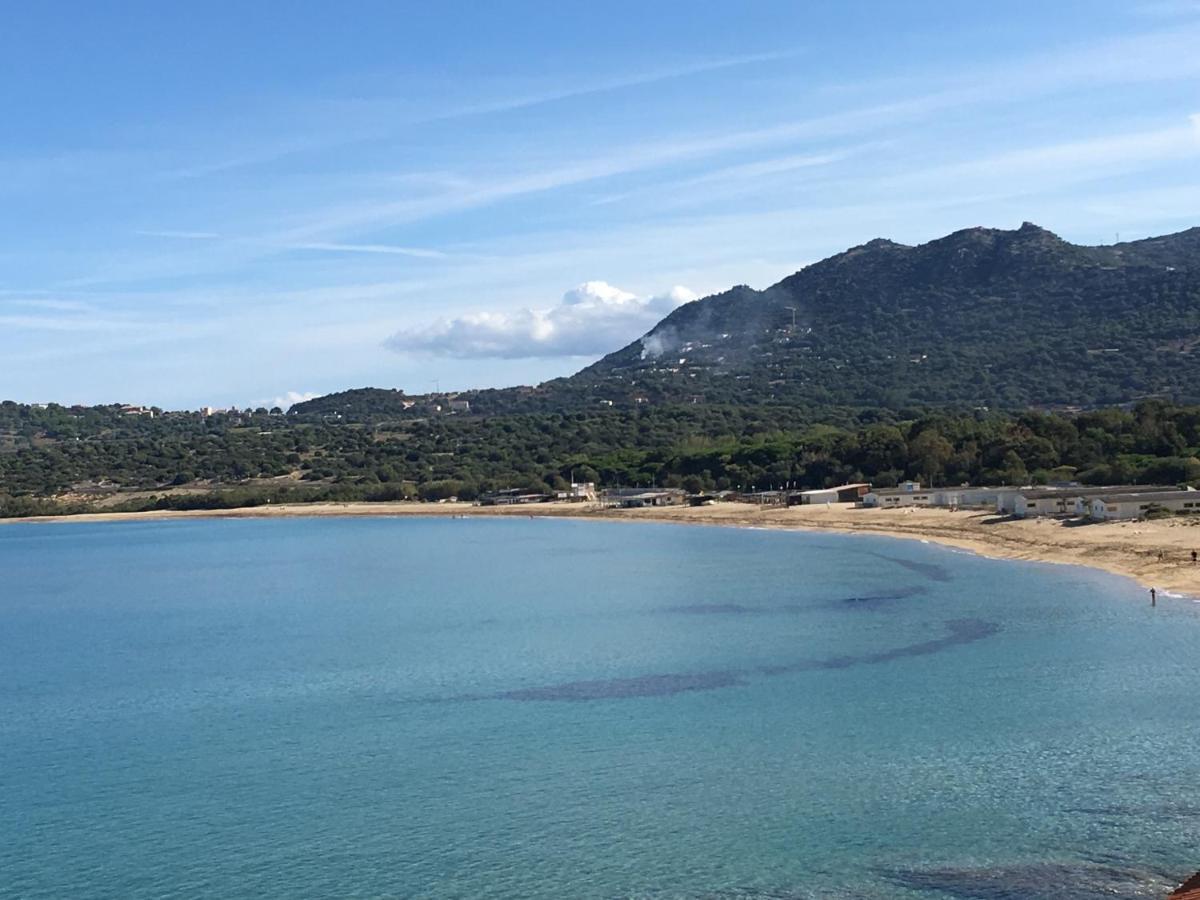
column 1059, row 500
column 1000, row 497
column 1075, row 500
column 1111, row 507
column 909, row 493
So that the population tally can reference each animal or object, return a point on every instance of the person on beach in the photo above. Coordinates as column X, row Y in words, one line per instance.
column 1193, row 557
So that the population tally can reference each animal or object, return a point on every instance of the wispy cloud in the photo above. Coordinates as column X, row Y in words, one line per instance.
column 45, row 303
column 378, row 111
column 637, row 79
column 1070, row 161
column 269, row 152
column 418, row 252
column 71, row 323
column 788, row 164
column 630, row 159
column 180, row 235
column 1168, row 8
column 1159, row 55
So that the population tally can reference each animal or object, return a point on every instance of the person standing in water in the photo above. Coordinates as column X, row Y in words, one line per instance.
column 1153, row 597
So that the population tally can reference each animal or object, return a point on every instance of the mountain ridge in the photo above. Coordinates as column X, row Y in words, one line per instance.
column 883, row 308
column 981, row 317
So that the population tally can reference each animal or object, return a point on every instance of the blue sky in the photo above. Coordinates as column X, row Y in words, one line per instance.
column 227, row 203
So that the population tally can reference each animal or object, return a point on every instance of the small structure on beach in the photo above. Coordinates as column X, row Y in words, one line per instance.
column 843, row 493
column 909, row 493
column 761, row 498
column 512, row 497
column 637, row 498
column 582, row 490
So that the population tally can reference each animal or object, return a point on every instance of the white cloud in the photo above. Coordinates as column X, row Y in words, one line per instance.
column 591, row 319
column 292, row 397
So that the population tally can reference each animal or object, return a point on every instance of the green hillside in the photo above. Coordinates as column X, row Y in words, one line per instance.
column 982, row 317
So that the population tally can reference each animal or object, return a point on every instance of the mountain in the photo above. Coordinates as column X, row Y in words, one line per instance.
column 982, row 317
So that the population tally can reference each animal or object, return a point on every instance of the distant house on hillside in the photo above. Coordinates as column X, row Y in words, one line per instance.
column 460, row 406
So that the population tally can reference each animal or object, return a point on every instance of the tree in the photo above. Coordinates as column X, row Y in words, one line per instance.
column 930, row 453
column 1014, row 471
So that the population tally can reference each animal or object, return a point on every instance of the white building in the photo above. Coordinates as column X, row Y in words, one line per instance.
column 1111, row 507
column 1074, row 500
column 583, row 490
column 907, row 494
column 842, row 493
column 823, row 495
column 1001, row 498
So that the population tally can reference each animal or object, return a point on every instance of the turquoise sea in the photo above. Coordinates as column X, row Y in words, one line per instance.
column 558, row 709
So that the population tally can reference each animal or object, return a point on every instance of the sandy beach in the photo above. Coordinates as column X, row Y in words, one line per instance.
column 1125, row 548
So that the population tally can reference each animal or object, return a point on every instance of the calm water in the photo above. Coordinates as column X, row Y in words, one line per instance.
column 536, row 708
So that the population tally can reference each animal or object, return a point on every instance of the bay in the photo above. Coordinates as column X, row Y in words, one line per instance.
column 548, row 708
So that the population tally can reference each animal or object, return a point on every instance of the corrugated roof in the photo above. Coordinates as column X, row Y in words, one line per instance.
column 840, row 487
column 1096, row 491
column 1151, row 496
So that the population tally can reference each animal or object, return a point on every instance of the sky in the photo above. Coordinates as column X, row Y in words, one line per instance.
column 247, row 204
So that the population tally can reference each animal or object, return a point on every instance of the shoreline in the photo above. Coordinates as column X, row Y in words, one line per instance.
column 1130, row 549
